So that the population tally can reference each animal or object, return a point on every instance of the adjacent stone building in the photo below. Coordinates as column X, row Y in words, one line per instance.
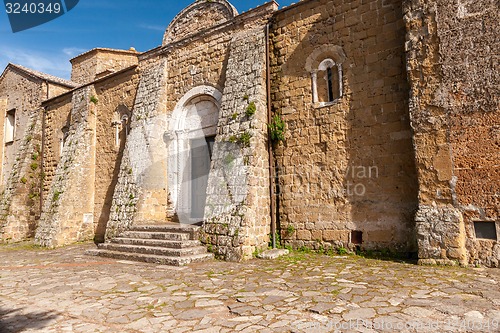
column 361, row 124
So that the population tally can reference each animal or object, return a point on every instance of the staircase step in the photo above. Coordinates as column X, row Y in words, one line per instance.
column 152, row 259
column 173, row 236
column 192, row 230
column 173, row 244
column 161, row 251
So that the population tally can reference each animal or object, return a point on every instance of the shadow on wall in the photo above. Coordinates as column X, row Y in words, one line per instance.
column 123, row 122
column 363, row 145
column 17, row 320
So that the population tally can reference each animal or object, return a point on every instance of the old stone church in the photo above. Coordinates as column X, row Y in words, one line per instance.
column 368, row 124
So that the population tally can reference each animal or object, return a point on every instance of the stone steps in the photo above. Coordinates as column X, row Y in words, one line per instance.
column 174, row 244
column 152, row 259
column 147, row 249
column 170, row 244
column 172, row 236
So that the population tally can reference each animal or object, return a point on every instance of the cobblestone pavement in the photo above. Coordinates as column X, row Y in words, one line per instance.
column 65, row 291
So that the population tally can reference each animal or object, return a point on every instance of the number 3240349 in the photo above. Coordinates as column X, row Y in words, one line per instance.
column 33, row 8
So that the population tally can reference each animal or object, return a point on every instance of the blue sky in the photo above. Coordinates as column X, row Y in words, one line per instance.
column 119, row 24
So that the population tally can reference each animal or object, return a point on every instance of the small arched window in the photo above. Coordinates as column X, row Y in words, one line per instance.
column 325, row 66
column 121, row 123
column 327, row 82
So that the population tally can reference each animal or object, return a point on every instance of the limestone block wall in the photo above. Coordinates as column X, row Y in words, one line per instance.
column 20, row 158
column 453, row 70
column 57, row 123
column 115, row 100
column 237, row 215
column 99, row 62
column 346, row 167
column 68, row 209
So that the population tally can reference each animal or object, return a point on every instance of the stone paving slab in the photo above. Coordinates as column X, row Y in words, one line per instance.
column 65, row 291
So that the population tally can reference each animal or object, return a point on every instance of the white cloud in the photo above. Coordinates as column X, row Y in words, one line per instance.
column 54, row 63
column 152, row 27
column 73, row 51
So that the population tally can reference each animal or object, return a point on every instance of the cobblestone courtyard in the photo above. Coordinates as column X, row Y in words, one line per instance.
column 65, row 291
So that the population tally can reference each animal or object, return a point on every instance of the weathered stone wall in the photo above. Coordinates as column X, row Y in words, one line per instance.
column 452, row 49
column 99, row 62
column 57, row 121
column 24, row 94
column 237, row 217
column 19, row 203
column 115, row 99
column 199, row 65
column 68, row 209
column 141, row 194
column 346, row 170
column 198, row 16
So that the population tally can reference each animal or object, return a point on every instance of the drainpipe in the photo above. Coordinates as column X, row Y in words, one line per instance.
column 272, row 175
column 42, row 149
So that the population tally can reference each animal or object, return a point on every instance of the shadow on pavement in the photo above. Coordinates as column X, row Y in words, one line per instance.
column 17, row 320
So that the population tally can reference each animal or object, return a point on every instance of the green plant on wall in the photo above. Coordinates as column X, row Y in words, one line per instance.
column 277, row 129
column 244, row 139
column 56, row 196
column 251, row 109
column 94, row 99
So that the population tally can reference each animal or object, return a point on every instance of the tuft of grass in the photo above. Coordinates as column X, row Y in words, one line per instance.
column 251, row 109
column 244, row 139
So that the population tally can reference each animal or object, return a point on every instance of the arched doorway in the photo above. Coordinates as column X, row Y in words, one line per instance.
column 196, row 126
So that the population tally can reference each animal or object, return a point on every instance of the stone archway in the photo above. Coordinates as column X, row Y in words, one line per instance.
column 194, row 129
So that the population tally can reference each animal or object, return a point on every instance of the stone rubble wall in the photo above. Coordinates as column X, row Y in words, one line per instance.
column 20, row 202
column 141, row 186
column 348, row 165
column 20, row 160
column 24, row 94
column 68, row 210
column 237, row 216
column 452, row 67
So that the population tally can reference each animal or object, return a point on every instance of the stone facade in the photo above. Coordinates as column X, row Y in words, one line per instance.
column 346, row 167
column 99, row 62
column 454, row 108
column 21, row 93
column 390, row 132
